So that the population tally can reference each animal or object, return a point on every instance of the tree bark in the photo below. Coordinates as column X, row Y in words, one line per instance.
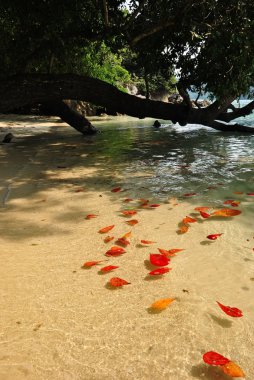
column 19, row 91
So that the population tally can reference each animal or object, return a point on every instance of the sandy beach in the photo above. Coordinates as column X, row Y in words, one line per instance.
column 61, row 322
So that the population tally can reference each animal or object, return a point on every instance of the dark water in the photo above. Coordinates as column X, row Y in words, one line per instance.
column 174, row 160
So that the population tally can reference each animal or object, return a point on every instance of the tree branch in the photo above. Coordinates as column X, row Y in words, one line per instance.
column 105, row 9
column 237, row 112
column 231, row 127
column 151, row 31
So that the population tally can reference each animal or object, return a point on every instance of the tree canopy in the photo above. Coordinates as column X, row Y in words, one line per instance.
column 207, row 44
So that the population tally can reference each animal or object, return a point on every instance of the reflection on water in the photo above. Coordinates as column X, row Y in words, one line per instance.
column 175, row 159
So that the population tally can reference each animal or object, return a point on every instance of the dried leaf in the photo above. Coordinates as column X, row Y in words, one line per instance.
column 91, row 216
column 158, row 260
column 105, row 229
column 159, row 271
column 147, row 242
column 213, row 236
column 188, row 219
column 225, row 212
column 132, row 222
column 116, row 190
column 213, row 358
column 232, row 369
column 115, row 251
column 116, row 282
column 108, row 239
column 162, row 303
column 108, row 268
column 89, row 264
column 232, row 311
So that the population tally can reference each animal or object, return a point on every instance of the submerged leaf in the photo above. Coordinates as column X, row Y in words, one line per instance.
column 202, row 208
column 108, row 239
column 132, row 222
column 116, row 190
column 116, row 282
column 213, row 358
column 115, row 251
column 154, row 205
column 159, row 271
column 158, row 260
column 126, row 200
column 183, row 228
column 109, row 268
column 213, row 236
column 123, row 241
column 129, row 212
column 189, row 194
column 89, row 264
column 106, row 229
column 162, row 303
column 188, row 219
column 147, row 242
column 204, row 214
column 225, row 212
column 91, row 216
column 232, row 311
column 232, row 369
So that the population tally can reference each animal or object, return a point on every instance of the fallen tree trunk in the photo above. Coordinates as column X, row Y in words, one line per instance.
column 19, row 91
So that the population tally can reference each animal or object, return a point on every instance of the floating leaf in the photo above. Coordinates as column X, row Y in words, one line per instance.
column 232, row 369
column 115, row 251
column 232, row 311
column 108, row 239
column 183, row 228
column 225, row 212
column 105, row 229
column 109, row 268
column 162, row 303
column 204, row 214
column 147, row 242
column 188, row 219
column 158, row 260
column 213, row 358
column 116, row 282
column 213, row 236
column 89, row 264
column 129, row 212
column 159, row 271
column 132, row 222
column 202, row 208
column 91, row 216
column 116, row 190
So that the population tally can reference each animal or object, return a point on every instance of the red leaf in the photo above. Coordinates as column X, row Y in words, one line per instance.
column 189, row 194
column 228, row 202
column 154, row 205
column 115, row 251
column 213, row 237
column 188, row 219
column 250, row 193
column 91, row 216
column 147, row 242
column 158, row 260
column 116, row 190
column 204, row 214
column 203, row 208
column 108, row 268
column 123, row 241
column 89, row 264
column 232, row 311
column 129, row 212
column 108, row 239
column 159, row 271
column 132, row 222
column 116, row 281
column 213, row 358
column 128, row 200
column 105, row 229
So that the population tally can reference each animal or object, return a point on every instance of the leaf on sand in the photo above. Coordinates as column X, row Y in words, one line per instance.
column 162, row 303
column 105, row 229
column 123, row 241
column 169, row 252
column 147, row 242
column 183, row 228
column 89, row 264
column 225, row 212
column 108, row 239
column 213, row 358
column 232, row 311
column 129, row 212
column 188, row 219
column 158, row 260
column 116, row 190
column 204, row 214
column 108, row 268
column 232, row 369
column 116, row 282
column 91, row 216
column 132, row 222
column 115, row 251
column 159, row 271
column 213, row 236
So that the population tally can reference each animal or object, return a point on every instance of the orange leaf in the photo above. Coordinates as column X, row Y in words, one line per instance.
column 183, row 228
column 116, row 281
column 91, row 216
column 108, row 268
column 105, row 229
column 225, row 212
column 188, row 219
column 129, row 212
column 147, row 242
column 162, row 303
column 108, row 239
column 204, row 208
column 127, row 235
column 232, row 369
column 89, row 264
column 172, row 251
column 123, row 241
column 165, row 252
column 132, row 222
column 238, row 192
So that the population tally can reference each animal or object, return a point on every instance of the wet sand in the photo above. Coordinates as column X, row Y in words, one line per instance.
column 59, row 321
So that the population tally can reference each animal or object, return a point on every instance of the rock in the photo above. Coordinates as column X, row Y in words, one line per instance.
column 8, row 138
column 156, row 124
